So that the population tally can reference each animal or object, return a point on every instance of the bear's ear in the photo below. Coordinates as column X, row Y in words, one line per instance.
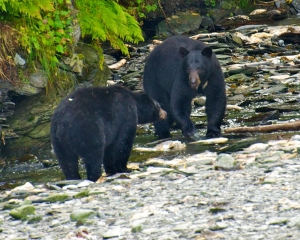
column 183, row 52
column 207, row 52
column 144, row 97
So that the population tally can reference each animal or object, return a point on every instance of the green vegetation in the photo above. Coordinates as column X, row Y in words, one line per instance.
column 43, row 30
column 210, row 3
column 107, row 20
column 138, row 8
column 246, row 5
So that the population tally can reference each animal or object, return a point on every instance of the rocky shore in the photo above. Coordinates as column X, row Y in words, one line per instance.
column 250, row 194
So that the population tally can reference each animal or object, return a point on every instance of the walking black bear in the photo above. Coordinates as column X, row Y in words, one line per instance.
column 174, row 73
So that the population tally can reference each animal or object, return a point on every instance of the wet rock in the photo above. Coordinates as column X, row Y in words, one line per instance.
column 225, row 162
column 179, row 23
column 91, row 71
column 199, row 101
column 237, row 77
column 22, row 212
column 114, row 232
column 82, row 214
column 61, row 197
column 295, row 221
column 278, row 221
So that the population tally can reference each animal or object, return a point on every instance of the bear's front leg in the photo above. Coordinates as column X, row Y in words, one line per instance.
column 181, row 110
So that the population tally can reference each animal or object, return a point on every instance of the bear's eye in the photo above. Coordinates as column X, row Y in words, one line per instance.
column 200, row 69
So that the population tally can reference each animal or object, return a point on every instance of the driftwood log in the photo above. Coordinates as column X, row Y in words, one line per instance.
column 291, row 126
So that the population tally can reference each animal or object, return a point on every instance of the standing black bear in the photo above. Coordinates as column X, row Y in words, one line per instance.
column 174, row 73
column 99, row 125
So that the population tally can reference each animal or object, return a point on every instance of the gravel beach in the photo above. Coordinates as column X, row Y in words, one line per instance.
column 190, row 198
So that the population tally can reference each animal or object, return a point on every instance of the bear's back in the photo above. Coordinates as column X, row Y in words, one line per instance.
column 106, row 102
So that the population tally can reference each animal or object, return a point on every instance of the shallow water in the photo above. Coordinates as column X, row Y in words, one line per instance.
column 293, row 20
column 36, row 173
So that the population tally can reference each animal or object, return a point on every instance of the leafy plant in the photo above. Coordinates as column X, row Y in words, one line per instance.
column 107, row 20
column 138, row 8
column 45, row 28
column 246, row 5
column 9, row 43
column 210, row 3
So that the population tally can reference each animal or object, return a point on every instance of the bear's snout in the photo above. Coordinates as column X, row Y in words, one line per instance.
column 194, row 79
column 162, row 114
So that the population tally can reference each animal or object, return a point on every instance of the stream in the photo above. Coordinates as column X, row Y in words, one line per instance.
column 266, row 93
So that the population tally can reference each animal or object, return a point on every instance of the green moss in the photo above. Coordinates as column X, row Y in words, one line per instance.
column 228, row 5
column 22, row 212
column 136, row 229
column 30, row 119
column 82, row 194
column 61, row 197
column 34, row 219
column 82, row 214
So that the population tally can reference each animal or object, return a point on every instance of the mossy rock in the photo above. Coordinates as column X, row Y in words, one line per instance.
column 82, row 214
column 61, row 197
column 22, row 212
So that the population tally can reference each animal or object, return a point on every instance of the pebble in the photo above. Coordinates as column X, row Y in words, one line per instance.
column 176, row 199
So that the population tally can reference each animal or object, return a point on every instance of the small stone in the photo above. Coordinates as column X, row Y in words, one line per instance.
column 295, row 221
column 136, row 229
column 278, row 221
column 269, row 181
column 82, row 214
column 26, row 187
column 115, row 231
column 182, row 226
column 225, row 162
column 70, row 187
column 218, row 226
column 85, row 183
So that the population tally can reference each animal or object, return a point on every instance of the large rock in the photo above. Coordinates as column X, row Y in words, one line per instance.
column 181, row 22
column 90, row 69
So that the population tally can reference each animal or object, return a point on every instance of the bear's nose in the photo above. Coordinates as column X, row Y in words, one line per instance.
column 162, row 114
column 194, row 79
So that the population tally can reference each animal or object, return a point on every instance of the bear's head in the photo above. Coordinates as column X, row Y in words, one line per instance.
column 196, row 64
column 148, row 110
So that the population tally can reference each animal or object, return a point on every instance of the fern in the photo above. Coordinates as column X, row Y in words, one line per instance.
column 30, row 8
column 107, row 20
column 44, row 27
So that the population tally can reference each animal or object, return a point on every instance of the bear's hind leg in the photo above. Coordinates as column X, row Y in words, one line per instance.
column 68, row 162
column 108, row 160
column 162, row 129
column 93, row 163
column 117, row 155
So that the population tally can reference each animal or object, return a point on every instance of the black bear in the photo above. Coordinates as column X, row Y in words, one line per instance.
column 98, row 124
column 175, row 71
